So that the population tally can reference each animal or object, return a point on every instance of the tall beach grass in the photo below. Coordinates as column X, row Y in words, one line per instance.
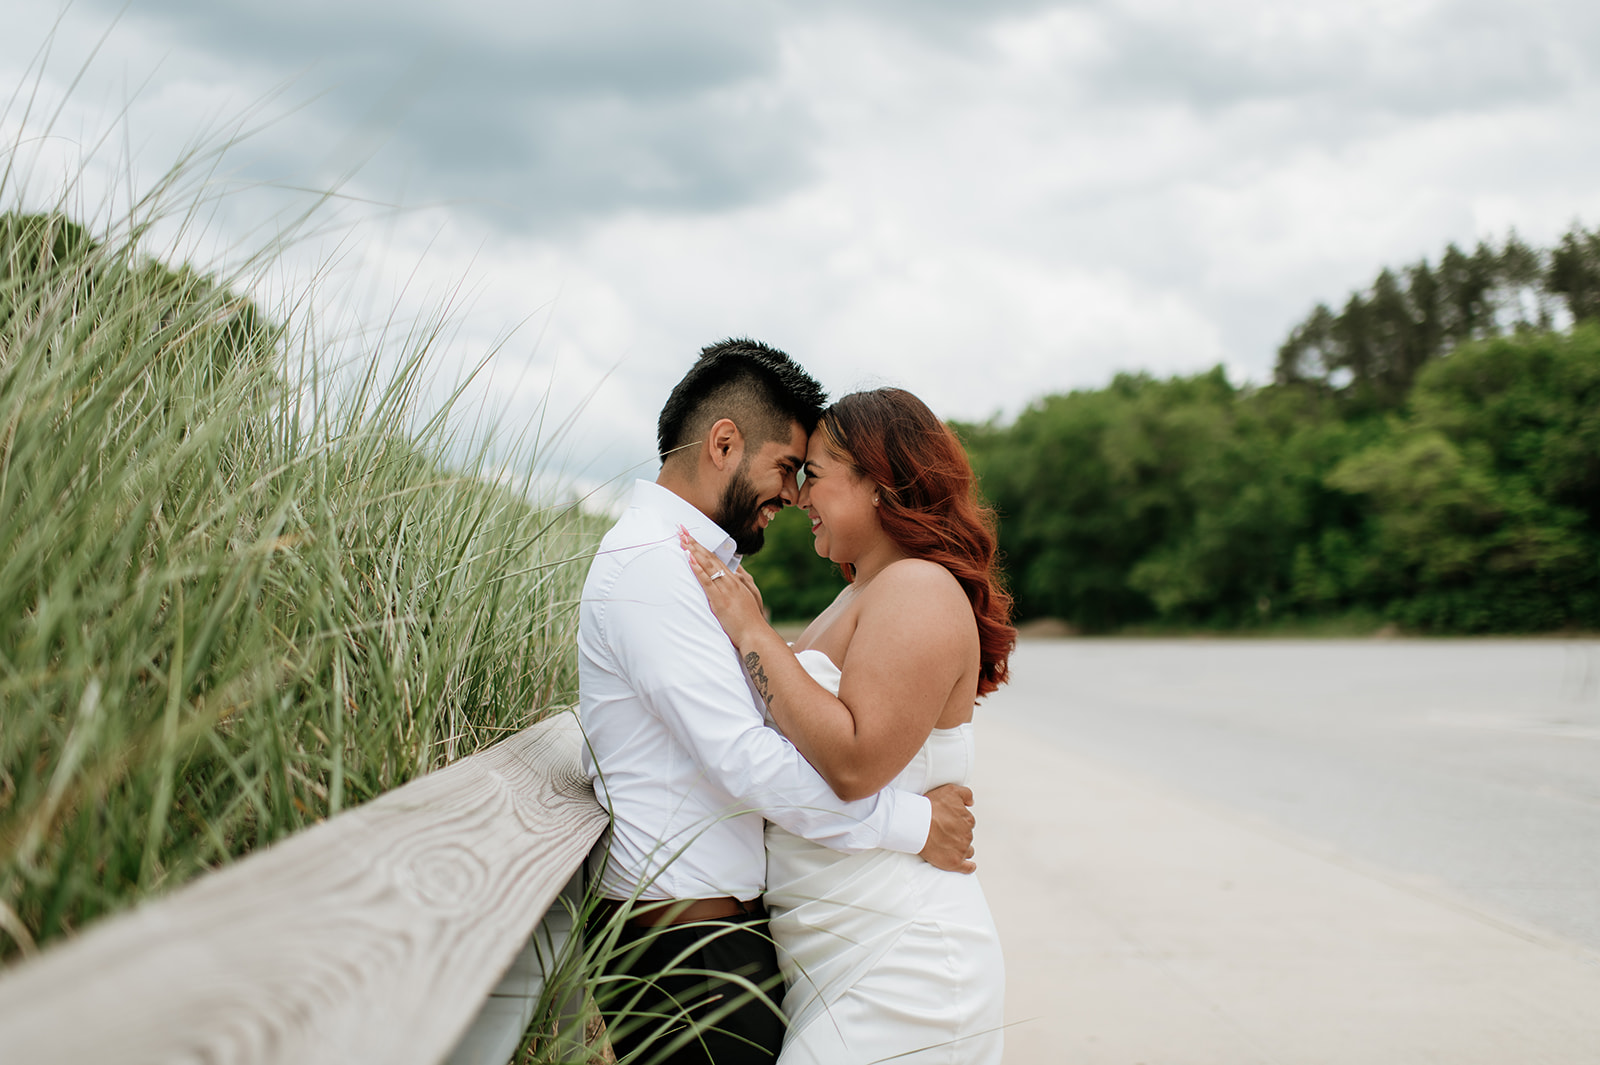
column 234, row 598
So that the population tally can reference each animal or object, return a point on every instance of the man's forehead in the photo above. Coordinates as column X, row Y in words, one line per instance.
column 793, row 450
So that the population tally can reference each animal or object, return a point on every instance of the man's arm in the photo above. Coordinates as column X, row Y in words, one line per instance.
column 684, row 669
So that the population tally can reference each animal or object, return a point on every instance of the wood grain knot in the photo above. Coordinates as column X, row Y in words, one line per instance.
column 446, row 876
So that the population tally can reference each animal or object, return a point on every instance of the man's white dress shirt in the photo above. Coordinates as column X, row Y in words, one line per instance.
column 677, row 745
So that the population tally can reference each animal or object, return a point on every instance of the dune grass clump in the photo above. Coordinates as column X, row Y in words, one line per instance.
column 232, row 600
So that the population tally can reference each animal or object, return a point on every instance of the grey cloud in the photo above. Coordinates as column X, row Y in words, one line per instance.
column 545, row 115
column 539, row 116
column 552, row 162
column 1463, row 56
column 613, row 46
column 950, row 22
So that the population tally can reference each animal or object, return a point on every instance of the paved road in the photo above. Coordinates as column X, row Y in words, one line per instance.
column 1228, row 853
column 1473, row 764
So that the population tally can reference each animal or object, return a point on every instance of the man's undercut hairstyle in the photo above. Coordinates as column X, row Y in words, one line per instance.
column 761, row 389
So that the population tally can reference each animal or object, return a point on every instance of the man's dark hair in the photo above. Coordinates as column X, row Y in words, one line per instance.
column 760, row 388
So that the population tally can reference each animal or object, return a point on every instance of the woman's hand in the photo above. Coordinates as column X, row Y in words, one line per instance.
column 734, row 597
column 742, row 575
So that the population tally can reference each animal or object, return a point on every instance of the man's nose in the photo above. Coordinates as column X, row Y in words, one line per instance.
column 791, row 489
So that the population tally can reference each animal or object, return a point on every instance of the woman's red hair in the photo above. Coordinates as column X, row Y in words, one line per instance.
column 929, row 505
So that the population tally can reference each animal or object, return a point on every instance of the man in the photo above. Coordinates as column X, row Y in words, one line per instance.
column 676, row 742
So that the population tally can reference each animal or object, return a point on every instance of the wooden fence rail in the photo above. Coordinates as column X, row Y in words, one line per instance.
column 375, row 936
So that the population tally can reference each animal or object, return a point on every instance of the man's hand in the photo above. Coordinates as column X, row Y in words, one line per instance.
column 949, row 844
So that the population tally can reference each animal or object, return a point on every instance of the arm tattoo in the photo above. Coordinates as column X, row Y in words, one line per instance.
column 752, row 665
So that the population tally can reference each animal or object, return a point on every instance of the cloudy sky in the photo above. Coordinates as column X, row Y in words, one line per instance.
column 982, row 202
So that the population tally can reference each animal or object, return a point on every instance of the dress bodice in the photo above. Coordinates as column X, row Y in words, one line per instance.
column 944, row 758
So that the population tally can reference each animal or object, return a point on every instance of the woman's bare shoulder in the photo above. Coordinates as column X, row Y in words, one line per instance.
column 916, row 581
column 918, row 615
column 918, row 573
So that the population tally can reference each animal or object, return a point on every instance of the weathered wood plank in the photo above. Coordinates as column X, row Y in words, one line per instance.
column 496, row 1032
column 375, row 936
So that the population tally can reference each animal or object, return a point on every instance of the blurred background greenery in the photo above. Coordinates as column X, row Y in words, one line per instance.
column 1428, row 456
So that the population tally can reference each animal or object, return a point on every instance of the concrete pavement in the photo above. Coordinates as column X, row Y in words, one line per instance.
column 1143, row 928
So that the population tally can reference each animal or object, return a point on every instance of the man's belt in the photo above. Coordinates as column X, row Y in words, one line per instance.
column 652, row 913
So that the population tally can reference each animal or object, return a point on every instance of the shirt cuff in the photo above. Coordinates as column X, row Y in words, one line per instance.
column 910, row 818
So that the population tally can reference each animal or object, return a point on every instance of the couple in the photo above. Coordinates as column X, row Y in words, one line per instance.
column 844, row 803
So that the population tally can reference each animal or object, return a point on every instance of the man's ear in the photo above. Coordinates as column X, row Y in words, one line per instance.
column 725, row 445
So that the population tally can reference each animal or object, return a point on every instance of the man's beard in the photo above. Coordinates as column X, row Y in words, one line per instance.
column 739, row 513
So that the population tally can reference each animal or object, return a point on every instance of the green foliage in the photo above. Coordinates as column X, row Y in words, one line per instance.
column 1431, row 453
column 1067, row 533
column 1486, row 498
column 230, row 606
column 1434, row 506
column 1188, row 502
column 796, row 583
column 1372, row 350
column 1574, row 273
column 1182, row 499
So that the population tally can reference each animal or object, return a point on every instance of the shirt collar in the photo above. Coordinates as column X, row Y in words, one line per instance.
column 676, row 510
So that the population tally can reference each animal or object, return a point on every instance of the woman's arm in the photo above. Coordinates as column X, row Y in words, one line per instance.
column 913, row 641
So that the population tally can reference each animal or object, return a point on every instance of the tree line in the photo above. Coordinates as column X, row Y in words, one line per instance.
column 1428, row 454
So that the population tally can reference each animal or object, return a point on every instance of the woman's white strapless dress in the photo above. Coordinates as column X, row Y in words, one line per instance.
column 883, row 955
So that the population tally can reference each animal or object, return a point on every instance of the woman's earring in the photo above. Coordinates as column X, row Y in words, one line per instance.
column 874, row 500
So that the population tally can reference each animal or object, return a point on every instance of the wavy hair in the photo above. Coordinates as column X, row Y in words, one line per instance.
column 929, row 504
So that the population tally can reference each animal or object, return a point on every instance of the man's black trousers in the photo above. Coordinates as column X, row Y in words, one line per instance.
column 673, row 990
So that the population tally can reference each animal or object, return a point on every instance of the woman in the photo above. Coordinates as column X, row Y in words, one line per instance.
column 883, row 955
